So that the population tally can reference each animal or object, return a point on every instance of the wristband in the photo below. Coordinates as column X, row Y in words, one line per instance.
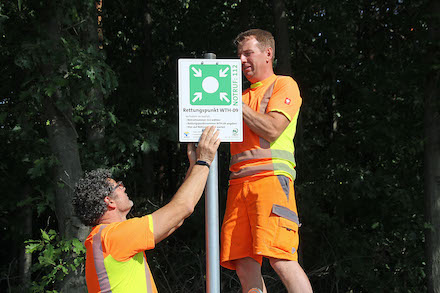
column 202, row 163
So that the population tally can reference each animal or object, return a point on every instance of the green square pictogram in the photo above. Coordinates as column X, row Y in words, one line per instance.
column 210, row 84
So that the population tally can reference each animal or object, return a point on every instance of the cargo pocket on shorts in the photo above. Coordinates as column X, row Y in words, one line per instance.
column 286, row 237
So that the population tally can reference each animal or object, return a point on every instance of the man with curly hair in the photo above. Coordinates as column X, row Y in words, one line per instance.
column 115, row 258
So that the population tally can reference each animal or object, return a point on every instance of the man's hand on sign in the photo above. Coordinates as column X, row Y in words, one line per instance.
column 208, row 144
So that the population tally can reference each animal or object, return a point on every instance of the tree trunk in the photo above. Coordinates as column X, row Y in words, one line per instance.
column 148, row 157
column 62, row 138
column 432, row 182
column 62, row 141
column 96, row 127
column 244, row 15
column 25, row 259
column 147, row 54
column 432, row 157
column 282, row 46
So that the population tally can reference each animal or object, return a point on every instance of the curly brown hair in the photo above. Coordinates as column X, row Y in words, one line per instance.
column 90, row 191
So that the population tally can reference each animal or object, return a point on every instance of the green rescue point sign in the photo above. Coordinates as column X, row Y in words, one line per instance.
column 210, row 94
column 210, row 84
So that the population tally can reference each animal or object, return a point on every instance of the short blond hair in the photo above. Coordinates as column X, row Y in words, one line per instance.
column 264, row 38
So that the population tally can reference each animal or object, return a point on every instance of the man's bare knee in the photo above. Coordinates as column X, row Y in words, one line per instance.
column 283, row 267
column 292, row 275
column 277, row 264
column 246, row 266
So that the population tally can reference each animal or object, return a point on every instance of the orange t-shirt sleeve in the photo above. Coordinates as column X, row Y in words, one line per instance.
column 130, row 237
column 286, row 98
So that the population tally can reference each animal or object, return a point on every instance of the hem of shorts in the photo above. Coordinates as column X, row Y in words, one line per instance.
column 283, row 255
column 228, row 263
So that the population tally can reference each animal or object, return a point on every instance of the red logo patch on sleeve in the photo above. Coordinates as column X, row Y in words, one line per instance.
column 287, row 101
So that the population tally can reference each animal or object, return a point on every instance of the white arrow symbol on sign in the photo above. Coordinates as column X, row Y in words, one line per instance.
column 224, row 96
column 198, row 72
column 223, row 73
column 198, row 97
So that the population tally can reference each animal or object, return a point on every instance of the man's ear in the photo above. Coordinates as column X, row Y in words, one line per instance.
column 110, row 202
column 269, row 54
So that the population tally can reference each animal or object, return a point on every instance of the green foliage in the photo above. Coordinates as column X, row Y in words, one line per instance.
column 57, row 258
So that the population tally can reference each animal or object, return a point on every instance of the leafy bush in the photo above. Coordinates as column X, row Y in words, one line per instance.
column 57, row 258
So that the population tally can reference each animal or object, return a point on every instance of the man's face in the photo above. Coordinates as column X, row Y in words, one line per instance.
column 120, row 197
column 255, row 63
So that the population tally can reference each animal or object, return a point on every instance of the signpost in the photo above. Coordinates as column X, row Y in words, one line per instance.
column 210, row 94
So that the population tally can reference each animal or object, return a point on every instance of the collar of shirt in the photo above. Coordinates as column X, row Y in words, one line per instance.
column 264, row 81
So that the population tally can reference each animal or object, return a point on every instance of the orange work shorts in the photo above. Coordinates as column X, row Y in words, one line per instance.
column 260, row 220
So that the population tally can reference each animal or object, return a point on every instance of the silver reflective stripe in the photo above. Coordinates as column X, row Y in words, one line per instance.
column 148, row 276
column 264, row 144
column 266, row 97
column 285, row 168
column 263, row 106
column 249, row 171
column 251, row 155
column 284, row 182
column 98, row 257
column 285, row 213
column 284, row 155
column 262, row 154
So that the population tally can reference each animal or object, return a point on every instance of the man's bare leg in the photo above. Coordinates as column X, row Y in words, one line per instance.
column 292, row 275
column 249, row 273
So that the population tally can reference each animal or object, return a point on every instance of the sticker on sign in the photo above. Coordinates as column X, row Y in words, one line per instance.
column 210, row 94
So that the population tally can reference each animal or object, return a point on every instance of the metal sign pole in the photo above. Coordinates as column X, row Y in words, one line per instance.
column 212, row 223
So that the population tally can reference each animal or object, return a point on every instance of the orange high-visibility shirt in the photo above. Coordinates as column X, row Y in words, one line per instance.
column 255, row 157
column 115, row 258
